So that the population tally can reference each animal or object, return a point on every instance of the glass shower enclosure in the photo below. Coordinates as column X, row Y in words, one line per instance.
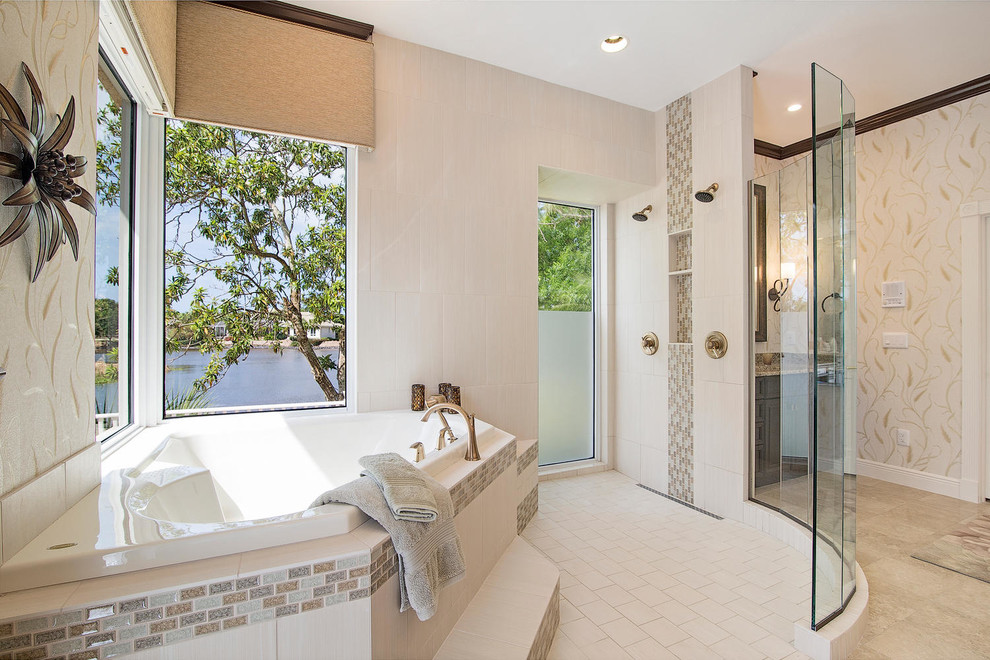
column 803, row 452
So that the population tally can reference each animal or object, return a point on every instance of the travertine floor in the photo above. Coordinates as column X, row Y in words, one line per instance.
column 644, row 577
column 917, row 611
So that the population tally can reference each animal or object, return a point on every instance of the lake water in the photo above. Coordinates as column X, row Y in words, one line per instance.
column 263, row 378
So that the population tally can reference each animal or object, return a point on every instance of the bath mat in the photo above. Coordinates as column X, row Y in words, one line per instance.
column 966, row 550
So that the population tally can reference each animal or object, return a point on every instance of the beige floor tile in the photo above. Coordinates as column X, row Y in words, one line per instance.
column 564, row 649
column 638, row 612
column 624, row 632
column 614, row 595
column 649, row 649
column 675, row 612
column 582, row 632
column 692, row 649
column 606, row 649
column 599, row 612
column 664, row 632
column 704, row 631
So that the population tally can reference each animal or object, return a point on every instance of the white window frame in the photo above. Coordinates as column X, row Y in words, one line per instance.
column 147, row 377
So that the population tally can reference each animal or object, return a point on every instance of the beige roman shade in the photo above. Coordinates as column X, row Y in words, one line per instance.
column 248, row 71
column 154, row 21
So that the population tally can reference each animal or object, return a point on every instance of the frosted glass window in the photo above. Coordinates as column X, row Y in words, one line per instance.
column 566, row 333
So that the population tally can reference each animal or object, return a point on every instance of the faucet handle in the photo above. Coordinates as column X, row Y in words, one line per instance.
column 420, row 450
column 442, row 439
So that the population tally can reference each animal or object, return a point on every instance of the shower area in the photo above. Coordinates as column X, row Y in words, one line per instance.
column 803, row 434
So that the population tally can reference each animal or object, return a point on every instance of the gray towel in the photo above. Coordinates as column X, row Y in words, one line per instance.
column 403, row 486
column 430, row 554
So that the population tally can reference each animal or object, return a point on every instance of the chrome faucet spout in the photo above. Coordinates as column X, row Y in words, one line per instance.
column 472, row 453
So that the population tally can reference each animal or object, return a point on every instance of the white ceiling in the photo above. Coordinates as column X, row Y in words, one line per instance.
column 887, row 52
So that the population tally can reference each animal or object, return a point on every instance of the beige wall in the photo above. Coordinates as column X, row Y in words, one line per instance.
column 447, row 223
column 722, row 152
column 912, row 178
column 46, row 328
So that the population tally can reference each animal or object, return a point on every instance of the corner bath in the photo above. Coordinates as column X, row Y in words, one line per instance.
column 194, row 489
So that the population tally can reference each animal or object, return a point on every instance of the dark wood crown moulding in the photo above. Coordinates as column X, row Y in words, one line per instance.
column 302, row 16
column 908, row 110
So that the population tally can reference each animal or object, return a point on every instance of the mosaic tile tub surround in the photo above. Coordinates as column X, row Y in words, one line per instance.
column 110, row 629
column 118, row 627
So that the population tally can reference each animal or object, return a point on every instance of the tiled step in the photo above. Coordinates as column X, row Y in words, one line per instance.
column 514, row 614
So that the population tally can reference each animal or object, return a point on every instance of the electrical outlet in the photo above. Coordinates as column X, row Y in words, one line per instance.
column 903, row 437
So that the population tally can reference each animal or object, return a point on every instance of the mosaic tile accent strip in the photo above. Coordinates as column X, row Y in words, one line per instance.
column 527, row 457
column 111, row 629
column 680, row 401
column 527, row 509
column 682, row 253
column 468, row 488
column 384, row 564
column 682, row 503
column 679, row 171
column 548, row 628
column 684, row 309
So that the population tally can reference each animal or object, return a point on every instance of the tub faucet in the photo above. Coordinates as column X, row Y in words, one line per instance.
column 472, row 453
column 442, row 438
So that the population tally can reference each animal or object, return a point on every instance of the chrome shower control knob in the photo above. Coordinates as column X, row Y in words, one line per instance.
column 649, row 343
column 716, row 345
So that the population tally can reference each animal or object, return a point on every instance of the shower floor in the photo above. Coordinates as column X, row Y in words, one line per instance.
column 644, row 577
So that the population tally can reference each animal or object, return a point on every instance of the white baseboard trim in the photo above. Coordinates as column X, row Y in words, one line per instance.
column 933, row 483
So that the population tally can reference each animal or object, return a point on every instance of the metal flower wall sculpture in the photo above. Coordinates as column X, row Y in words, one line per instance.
column 46, row 175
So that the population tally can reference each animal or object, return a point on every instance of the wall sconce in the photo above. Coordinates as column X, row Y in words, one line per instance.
column 787, row 273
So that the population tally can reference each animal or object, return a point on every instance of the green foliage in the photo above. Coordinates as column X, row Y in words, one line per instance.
column 272, row 209
column 194, row 397
column 565, row 259
column 106, row 323
column 109, row 150
column 111, row 373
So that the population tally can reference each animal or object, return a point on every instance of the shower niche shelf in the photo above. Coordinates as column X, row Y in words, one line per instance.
column 680, row 283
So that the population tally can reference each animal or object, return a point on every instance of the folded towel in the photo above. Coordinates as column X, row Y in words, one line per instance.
column 429, row 553
column 403, row 486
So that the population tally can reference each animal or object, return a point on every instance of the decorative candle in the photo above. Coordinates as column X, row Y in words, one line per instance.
column 455, row 395
column 419, row 396
column 444, row 389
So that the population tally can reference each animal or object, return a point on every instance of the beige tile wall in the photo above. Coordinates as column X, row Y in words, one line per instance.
column 447, row 223
column 46, row 328
column 722, row 138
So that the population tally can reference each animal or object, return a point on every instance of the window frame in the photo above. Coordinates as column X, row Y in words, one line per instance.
column 598, row 222
column 147, row 262
column 125, row 266
column 350, row 275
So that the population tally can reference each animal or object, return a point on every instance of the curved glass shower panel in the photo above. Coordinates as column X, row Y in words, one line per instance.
column 833, row 314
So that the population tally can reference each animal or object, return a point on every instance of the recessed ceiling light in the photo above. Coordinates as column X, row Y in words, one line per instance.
column 794, row 107
column 614, row 44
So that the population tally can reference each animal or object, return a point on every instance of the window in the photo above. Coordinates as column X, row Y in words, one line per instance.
column 114, row 186
column 566, row 264
column 255, row 255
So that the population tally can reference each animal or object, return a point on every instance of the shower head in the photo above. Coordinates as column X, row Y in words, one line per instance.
column 708, row 194
column 644, row 214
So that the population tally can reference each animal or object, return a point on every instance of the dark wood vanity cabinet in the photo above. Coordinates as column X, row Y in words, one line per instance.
column 766, row 443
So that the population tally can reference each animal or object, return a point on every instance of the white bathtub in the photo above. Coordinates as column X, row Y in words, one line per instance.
column 198, row 488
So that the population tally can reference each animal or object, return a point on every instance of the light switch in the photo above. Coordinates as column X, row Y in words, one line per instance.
column 893, row 294
column 895, row 340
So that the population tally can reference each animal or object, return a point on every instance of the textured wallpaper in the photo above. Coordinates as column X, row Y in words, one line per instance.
column 912, row 178
column 46, row 328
